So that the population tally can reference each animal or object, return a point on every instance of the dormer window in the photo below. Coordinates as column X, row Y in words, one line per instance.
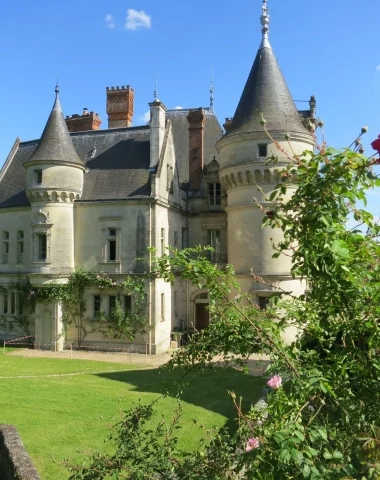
column 263, row 150
column 214, row 195
column 38, row 176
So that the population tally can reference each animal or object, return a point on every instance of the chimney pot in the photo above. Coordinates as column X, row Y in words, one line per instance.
column 120, row 106
column 82, row 123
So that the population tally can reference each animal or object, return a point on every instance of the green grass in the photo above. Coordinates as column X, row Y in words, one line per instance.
column 62, row 417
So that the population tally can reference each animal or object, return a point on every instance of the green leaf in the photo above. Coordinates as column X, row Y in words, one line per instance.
column 297, row 456
column 323, row 433
column 284, row 455
column 327, row 455
column 337, row 454
column 306, row 471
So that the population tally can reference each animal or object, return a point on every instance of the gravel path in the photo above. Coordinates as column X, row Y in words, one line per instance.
column 257, row 364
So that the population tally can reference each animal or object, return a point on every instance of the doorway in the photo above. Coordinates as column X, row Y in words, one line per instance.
column 202, row 314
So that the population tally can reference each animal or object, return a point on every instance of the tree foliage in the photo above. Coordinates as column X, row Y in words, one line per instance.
column 322, row 414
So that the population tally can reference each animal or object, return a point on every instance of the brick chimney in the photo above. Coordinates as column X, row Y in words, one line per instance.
column 227, row 123
column 82, row 123
column 196, row 119
column 120, row 106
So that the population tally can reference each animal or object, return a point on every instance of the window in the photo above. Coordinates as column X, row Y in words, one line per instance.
column 97, row 306
column 42, row 247
column 38, row 176
column 5, row 308
column 112, row 303
column 162, row 306
column 175, row 302
column 127, row 303
column 213, row 240
column 162, row 241
column 20, row 246
column 214, row 195
column 263, row 302
column 169, row 178
column 13, row 303
column 5, row 257
column 185, row 238
column 175, row 240
column 263, row 150
column 112, row 244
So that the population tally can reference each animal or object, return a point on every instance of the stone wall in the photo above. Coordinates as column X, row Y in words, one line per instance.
column 15, row 463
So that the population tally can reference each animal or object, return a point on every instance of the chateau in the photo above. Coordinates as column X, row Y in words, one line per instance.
column 93, row 198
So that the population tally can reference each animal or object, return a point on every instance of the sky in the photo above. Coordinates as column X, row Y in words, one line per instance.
column 329, row 48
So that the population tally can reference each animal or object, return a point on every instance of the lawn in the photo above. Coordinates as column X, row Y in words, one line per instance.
column 64, row 416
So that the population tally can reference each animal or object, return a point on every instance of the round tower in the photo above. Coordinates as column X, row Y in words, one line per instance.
column 244, row 150
column 54, row 182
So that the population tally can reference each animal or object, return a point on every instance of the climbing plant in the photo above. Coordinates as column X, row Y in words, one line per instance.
column 74, row 296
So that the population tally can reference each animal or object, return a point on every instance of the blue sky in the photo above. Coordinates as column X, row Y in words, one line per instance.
column 330, row 49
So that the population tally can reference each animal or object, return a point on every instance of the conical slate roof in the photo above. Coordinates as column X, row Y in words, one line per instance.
column 55, row 143
column 267, row 93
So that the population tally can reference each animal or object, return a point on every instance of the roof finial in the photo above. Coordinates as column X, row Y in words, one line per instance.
column 212, row 90
column 265, row 18
column 155, row 90
column 56, row 89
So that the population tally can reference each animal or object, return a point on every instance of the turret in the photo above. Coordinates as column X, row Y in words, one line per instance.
column 244, row 150
column 54, row 182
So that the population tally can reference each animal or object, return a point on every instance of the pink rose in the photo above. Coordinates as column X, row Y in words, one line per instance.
column 275, row 382
column 251, row 444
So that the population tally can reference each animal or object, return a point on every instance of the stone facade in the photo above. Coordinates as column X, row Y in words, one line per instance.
column 177, row 181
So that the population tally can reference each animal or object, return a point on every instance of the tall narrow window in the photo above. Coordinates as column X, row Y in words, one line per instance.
column 263, row 150
column 169, row 178
column 42, row 247
column 185, row 238
column 5, row 307
column 162, row 306
column 112, row 244
column 162, row 241
column 128, row 303
column 13, row 303
column 175, row 240
column 38, row 176
column 97, row 306
column 5, row 256
column 213, row 240
column 175, row 303
column 214, row 195
column 112, row 303
column 20, row 246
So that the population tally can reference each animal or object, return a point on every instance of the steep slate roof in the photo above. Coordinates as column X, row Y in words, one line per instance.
column 118, row 170
column 116, row 160
column 55, row 143
column 213, row 132
column 266, row 92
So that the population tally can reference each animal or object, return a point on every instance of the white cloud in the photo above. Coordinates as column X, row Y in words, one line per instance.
column 378, row 68
column 178, row 108
column 146, row 117
column 109, row 21
column 137, row 19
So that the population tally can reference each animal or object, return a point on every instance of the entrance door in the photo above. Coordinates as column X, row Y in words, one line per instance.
column 202, row 316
